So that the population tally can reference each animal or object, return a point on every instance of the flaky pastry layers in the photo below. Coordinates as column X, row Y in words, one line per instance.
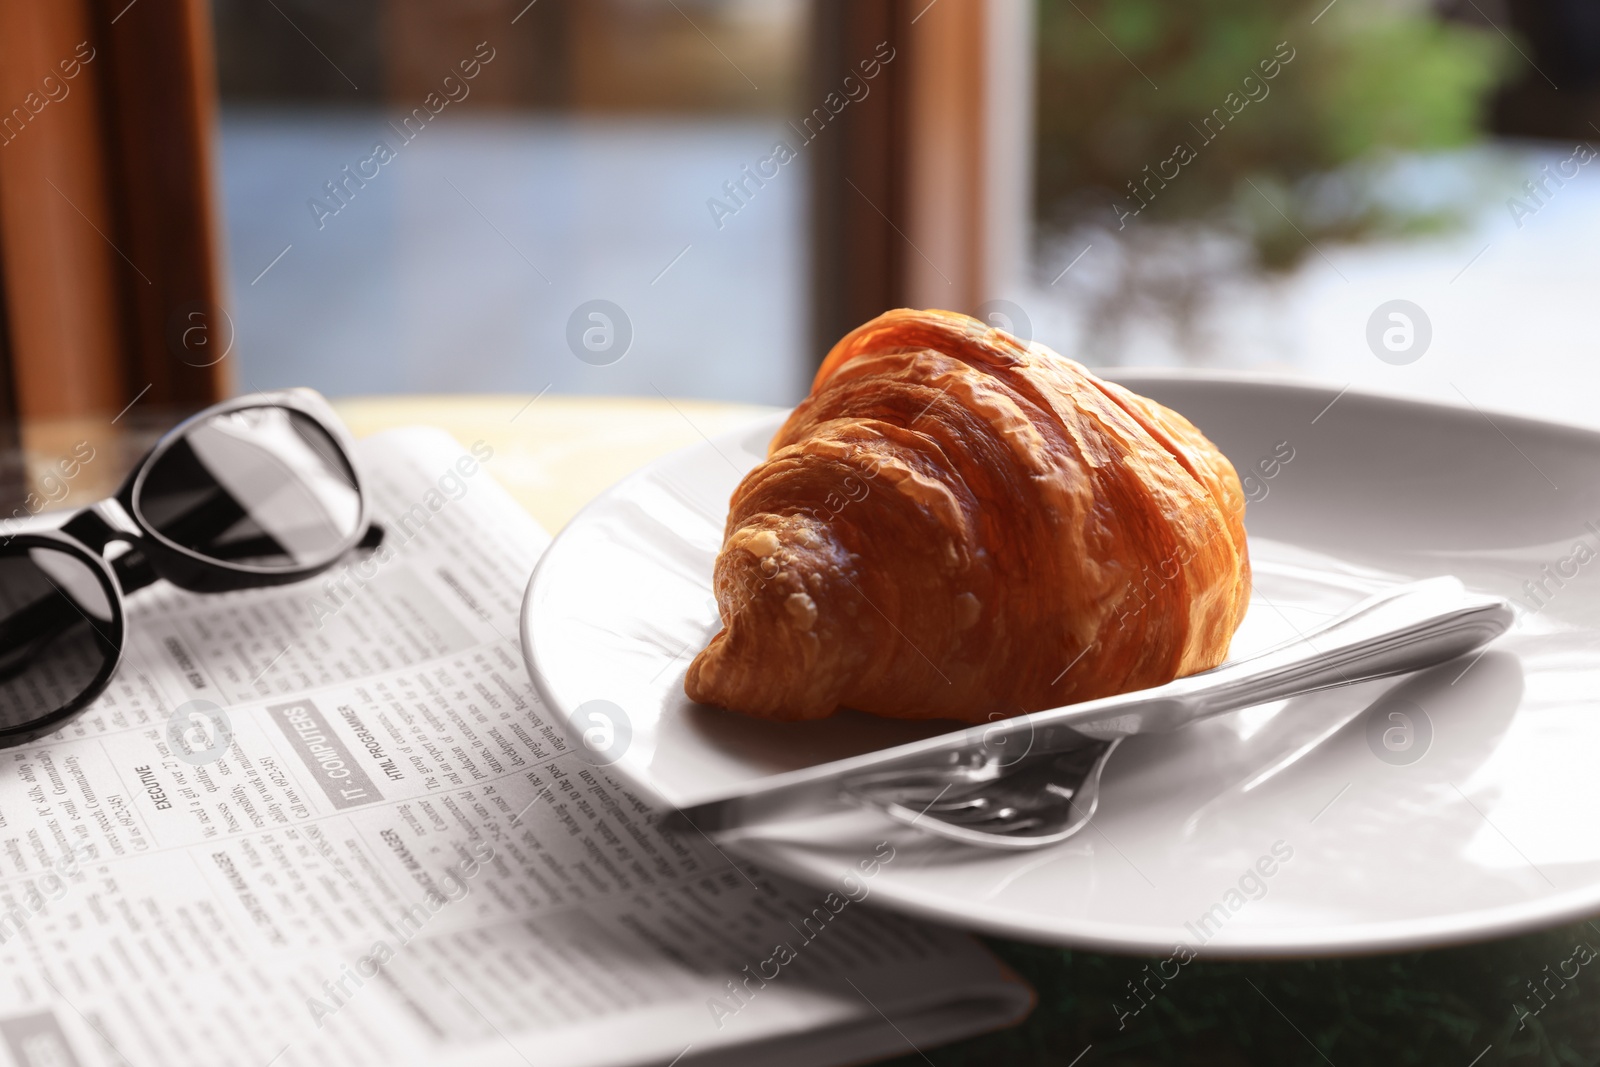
column 956, row 524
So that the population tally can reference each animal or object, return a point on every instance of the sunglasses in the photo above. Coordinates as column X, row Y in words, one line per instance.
column 252, row 492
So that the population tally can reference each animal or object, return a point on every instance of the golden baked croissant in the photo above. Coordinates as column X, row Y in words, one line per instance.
column 956, row 524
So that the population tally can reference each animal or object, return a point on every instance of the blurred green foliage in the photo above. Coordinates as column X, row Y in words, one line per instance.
column 1122, row 83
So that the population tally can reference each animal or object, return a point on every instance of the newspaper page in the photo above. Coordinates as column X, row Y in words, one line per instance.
column 331, row 823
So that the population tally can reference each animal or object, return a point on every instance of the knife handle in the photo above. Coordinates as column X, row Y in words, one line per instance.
column 1403, row 629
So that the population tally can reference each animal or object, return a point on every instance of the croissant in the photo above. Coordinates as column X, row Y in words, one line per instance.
column 958, row 524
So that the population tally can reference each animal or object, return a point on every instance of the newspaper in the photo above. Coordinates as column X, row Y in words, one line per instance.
column 331, row 823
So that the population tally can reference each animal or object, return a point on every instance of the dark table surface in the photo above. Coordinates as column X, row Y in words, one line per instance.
column 1525, row 1000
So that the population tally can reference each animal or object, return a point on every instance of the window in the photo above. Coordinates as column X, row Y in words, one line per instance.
column 1391, row 195
column 505, row 197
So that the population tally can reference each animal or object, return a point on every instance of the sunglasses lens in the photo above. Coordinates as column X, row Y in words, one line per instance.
column 59, row 632
column 265, row 486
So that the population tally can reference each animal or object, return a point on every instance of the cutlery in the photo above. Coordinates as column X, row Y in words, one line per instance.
column 1033, row 780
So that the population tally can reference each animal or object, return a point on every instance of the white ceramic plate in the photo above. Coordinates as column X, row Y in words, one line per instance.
column 1460, row 803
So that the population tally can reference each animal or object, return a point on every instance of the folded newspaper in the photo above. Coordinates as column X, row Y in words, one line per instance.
column 331, row 823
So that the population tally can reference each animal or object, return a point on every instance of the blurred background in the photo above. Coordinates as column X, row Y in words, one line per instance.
column 575, row 166
column 1231, row 183
column 1389, row 159
column 695, row 198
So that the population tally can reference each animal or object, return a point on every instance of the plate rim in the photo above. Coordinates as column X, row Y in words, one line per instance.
column 1290, row 381
column 1398, row 935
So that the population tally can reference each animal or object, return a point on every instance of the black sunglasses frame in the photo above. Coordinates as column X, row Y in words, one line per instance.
column 152, row 556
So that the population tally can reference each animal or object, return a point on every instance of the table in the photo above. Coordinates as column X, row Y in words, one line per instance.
column 556, row 453
column 1471, row 1006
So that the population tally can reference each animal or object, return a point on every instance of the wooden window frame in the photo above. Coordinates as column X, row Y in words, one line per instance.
column 922, row 193
column 109, row 271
